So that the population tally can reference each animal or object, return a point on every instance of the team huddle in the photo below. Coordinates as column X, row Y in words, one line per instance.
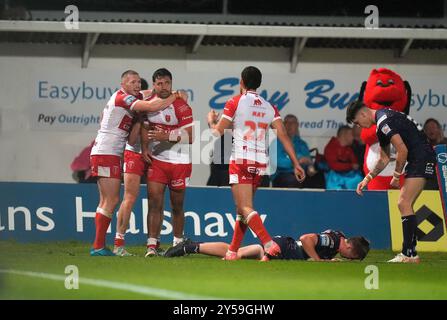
column 152, row 130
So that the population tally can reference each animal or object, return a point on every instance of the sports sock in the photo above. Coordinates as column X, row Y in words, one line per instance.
column 102, row 222
column 193, row 247
column 176, row 241
column 151, row 243
column 255, row 223
column 409, row 226
column 240, row 227
column 119, row 239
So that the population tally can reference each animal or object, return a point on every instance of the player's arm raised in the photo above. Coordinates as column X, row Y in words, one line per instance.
column 401, row 159
column 157, row 104
column 217, row 127
column 281, row 133
column 381, row 163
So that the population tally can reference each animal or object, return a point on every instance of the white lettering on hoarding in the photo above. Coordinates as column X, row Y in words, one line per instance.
column 50, row 223
column 81, row 214
column 11, row 217
column 14, row 212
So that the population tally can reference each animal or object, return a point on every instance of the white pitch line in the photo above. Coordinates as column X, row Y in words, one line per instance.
column 144, row 290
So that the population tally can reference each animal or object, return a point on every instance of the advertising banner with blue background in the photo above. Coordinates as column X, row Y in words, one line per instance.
column 50, row 212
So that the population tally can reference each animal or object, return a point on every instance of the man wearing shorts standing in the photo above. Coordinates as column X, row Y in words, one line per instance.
column 167, row 146
column 134, row 168
column 412, row 145
column 116, row 123
column 251, row 116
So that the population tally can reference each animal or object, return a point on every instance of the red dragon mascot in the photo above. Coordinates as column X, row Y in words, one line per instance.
column 384, row 89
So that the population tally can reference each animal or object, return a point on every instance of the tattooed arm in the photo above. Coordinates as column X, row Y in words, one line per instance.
column 383, row 161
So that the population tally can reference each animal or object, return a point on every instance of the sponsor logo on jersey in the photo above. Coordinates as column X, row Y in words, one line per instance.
column 381, row 119
column 325, row 240
column 386, row 129
column 129, row 99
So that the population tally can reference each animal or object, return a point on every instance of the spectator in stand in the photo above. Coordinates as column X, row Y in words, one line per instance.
column 435, row 135
column 359, row 147
column 433, row 130
column 344, row 168
column 81, row 166
column 284, row 176
column 219, row 175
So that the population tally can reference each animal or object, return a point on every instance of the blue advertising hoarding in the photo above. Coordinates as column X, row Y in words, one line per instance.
column 53, row 212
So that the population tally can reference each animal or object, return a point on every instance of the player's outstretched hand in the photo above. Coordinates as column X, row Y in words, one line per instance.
column 361, row 186
column 146, row 156
column 300, row 174
column 395, row 183
column 212, row 117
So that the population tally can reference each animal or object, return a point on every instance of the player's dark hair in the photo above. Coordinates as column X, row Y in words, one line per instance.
column 252, row 77
column 160, row 73
column 360, row 246
column 144, row 84
column 341, row 129
column 128, row 72
column 433, row 120
column 352, row 109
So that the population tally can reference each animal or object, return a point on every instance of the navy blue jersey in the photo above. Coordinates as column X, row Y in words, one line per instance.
column 390, row 122
column 290, row 250
column 327, row 246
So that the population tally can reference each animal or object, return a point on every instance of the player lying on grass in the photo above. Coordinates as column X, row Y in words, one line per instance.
column 317, row 247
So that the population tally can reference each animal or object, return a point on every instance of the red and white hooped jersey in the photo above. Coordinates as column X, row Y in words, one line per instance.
column 116, row 124
column 177, row 116
column 252, row 116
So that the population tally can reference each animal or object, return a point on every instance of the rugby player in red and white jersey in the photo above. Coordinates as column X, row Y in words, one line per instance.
column 251, row 116
column 134, row 168
column 167, row 145
column 109, row 145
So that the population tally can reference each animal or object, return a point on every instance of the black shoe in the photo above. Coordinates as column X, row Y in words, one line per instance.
column 176, row 251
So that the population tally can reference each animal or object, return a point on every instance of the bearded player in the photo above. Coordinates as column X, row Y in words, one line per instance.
column 166, row 145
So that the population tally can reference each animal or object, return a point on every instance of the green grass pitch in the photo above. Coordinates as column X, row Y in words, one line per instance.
column 199, row 276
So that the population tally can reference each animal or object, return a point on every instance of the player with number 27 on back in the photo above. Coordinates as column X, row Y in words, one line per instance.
column 251, row 116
